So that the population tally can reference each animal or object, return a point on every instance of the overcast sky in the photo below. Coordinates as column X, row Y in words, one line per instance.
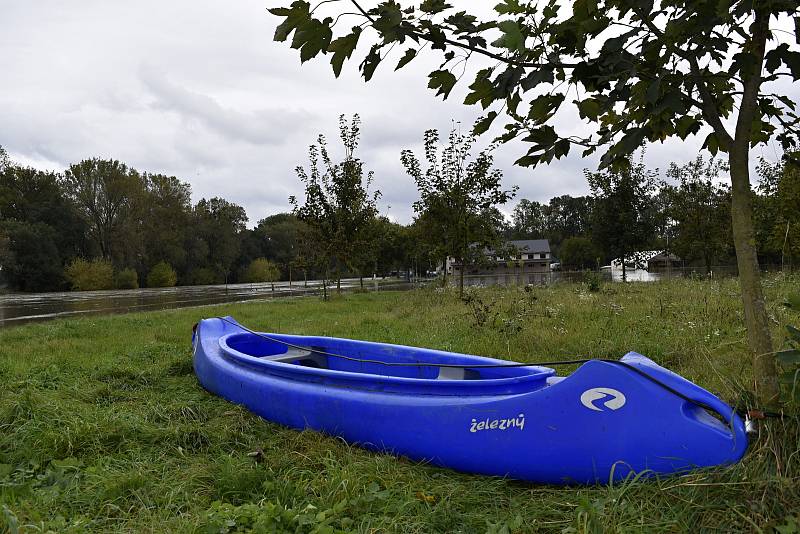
column 199, row 90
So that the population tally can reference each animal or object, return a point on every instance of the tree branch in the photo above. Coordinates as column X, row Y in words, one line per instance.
column 476, row 49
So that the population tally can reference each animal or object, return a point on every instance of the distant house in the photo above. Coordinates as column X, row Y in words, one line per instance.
column 528, row 264
column 664, row 262
column 645, row 266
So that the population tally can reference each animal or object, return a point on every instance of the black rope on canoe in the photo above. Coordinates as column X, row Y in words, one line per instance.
column 626, row 365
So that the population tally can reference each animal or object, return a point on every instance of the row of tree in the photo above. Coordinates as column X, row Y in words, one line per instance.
column 687, row 214
column 145, row 230
column 102, row 209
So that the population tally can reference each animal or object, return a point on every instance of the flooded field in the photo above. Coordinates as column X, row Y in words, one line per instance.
column 18, row 308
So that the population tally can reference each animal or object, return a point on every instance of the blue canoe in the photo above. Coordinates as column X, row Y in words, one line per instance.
column 603, row 422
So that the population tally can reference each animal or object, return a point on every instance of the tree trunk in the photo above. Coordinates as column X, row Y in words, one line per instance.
column 624, row 273
column 755, row 311
column 461, row 280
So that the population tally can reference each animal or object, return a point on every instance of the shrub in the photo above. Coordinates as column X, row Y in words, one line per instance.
column 162, row 275
column 592, row 281
column 261, row 270
column 86, row 275
column 127, row 279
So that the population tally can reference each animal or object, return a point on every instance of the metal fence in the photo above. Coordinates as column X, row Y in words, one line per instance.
column 631, row 275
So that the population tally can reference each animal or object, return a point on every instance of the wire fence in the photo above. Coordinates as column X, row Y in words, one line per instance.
column 631, row 275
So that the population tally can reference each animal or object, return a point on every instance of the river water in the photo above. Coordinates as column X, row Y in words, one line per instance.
column 18, row 308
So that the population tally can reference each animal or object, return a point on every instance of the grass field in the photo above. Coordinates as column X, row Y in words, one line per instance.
column 103, row 426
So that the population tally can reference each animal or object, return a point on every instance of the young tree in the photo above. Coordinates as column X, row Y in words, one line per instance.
column 162, row 275
column 622, row 215
column 219, row 224
column 280, row 232
column 644, row 71
column 458, row 196
column 262, row 270
column 31, row 260
column 339, row 207
column 90, row 275
column 700, row 209
column 567, row 216
column 106, row 194
column 33, row 204
column 578, row 253
column 165, row 221
column 528, row 220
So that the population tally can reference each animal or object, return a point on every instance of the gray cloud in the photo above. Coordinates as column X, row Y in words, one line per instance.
column 200, row 90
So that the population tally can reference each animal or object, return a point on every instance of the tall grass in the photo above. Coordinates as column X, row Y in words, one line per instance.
column 103, row 426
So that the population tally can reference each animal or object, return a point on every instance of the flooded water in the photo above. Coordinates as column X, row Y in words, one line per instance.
column 18, row 308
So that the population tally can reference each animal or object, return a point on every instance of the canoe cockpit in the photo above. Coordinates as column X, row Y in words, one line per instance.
column 347, row 360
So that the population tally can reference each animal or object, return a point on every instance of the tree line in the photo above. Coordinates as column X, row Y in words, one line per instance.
column 101, row 224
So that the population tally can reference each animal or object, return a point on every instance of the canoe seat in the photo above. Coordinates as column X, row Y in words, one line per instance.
column 457, row 373
column 306, row 358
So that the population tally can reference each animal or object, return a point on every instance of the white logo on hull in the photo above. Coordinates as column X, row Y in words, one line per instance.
column 498, row 424
column 612, row 399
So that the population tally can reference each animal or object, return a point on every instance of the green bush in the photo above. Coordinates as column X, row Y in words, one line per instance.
column 127, row 279
column 86, row 275
column 162, row 275
column 262, row 270
column 592, row 281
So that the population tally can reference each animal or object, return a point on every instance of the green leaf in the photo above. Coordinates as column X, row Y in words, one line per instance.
column 686, row 126
column 528, row 161
column 589, row 109
column 512, row 37
column 711, row 144
column 653, row 91
column 410, row 54
column 509, row 7
column 388, row 23
column 797, row 29
column 443, row 81
column 297, row 15
column 793, row 301
column 371, row 62
column 631, row 141
column 483, row 124
column 772, row 61
column 342, row 48
column 482, row 89
column 434, row 6
column 790, row 377
column 543, row 107
column 544, row 136
column 312, row 37
column 794, row 333
column 536, row 77
column 792, row 60
column 789, row 357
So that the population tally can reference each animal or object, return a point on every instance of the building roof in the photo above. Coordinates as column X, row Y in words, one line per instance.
column 531, row 245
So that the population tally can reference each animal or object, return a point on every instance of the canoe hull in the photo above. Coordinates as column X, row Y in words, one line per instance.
column 572, row 431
